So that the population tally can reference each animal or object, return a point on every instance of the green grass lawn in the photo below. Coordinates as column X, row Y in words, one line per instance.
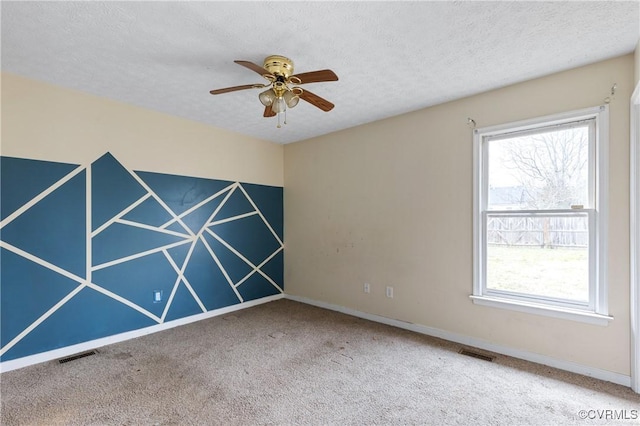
column 551, row 272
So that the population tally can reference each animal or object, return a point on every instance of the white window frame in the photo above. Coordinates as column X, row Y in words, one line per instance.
column 596, row 310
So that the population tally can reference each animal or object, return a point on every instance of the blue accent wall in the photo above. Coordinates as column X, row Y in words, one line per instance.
column 83, row 249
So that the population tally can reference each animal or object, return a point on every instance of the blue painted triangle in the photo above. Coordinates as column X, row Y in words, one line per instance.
column 274, row 269
column 179, row 254
column 235, row 267
column 149, row 212
column 269, row 200
column 181, row 193
column 137, row 279
column 118, row 241
column 183, row 304
column 27, row 291
column 176, row 227
column 54, row 229
column 235, row 205
column 21, row 180
column 196, row 219
column 207, row 280
column 256, row 287
column 249, row 236
column 112, row 189
column 86, row 316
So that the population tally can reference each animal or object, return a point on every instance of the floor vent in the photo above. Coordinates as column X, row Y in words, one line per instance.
column 74, row 357
column 476, row 355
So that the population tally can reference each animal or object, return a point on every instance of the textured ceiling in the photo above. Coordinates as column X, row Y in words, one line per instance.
column 391, row 57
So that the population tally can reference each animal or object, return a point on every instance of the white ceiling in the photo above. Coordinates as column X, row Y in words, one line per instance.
column 391, row 57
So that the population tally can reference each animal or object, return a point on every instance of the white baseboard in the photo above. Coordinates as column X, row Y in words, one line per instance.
column 573, row 367
column 97, row 343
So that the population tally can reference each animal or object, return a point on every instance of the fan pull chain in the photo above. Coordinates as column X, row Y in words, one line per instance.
column 285, row 118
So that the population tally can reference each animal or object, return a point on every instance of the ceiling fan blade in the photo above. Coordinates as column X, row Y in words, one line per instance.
column 317, row 101
column 253, row 67
column 268, row 112
column 234, row 88
column 315, row 76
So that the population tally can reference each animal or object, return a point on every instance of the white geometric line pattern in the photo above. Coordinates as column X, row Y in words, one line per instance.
column 88, row 225
column 37, row 322
column 42, row 262
column 117, row 217
column 40, row 196
column 224, row 272
column 120, row 243
column 123, row 301
column 258, row 270
column 247, row 261
column 160, row 201
column 261, row 215
column 139, row 255
column 151, row 228
column 179, row 278
column 230, row 188
column 229, row 219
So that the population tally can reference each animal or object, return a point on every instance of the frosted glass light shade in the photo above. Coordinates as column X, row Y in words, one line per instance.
column 267, row 97
column 291, row 99
column 279, row 105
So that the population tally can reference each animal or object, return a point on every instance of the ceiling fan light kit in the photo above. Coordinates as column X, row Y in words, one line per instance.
column 278, row 70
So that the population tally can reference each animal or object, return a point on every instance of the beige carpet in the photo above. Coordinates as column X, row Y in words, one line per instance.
column 288, row 363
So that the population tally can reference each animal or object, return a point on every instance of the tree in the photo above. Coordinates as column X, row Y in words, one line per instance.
column 552, row 167
column 551, row 170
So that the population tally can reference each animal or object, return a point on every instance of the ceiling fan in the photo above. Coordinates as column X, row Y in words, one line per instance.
column 278, row 70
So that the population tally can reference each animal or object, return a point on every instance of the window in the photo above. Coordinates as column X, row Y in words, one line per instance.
column 540, row 211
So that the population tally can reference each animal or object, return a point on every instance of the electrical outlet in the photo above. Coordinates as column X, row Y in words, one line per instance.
column 157, row 296
column 367, row 288
column 390, row 292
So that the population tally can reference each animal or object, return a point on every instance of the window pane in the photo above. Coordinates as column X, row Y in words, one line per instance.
column 540, row 256
column 546, row 170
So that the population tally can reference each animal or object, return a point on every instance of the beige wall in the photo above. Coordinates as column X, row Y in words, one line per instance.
column 390, row 203
column 45, row 122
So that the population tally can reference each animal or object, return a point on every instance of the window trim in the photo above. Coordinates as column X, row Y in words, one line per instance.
column 597, row 311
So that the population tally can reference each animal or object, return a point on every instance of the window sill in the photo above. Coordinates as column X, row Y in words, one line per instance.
column 549, row 311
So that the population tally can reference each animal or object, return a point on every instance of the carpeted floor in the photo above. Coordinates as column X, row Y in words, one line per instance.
column 286, row 363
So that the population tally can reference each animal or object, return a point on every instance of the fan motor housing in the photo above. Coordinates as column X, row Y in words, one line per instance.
column 279, row 65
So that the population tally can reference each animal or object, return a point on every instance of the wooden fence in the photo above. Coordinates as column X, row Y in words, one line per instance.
column 538, row 231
